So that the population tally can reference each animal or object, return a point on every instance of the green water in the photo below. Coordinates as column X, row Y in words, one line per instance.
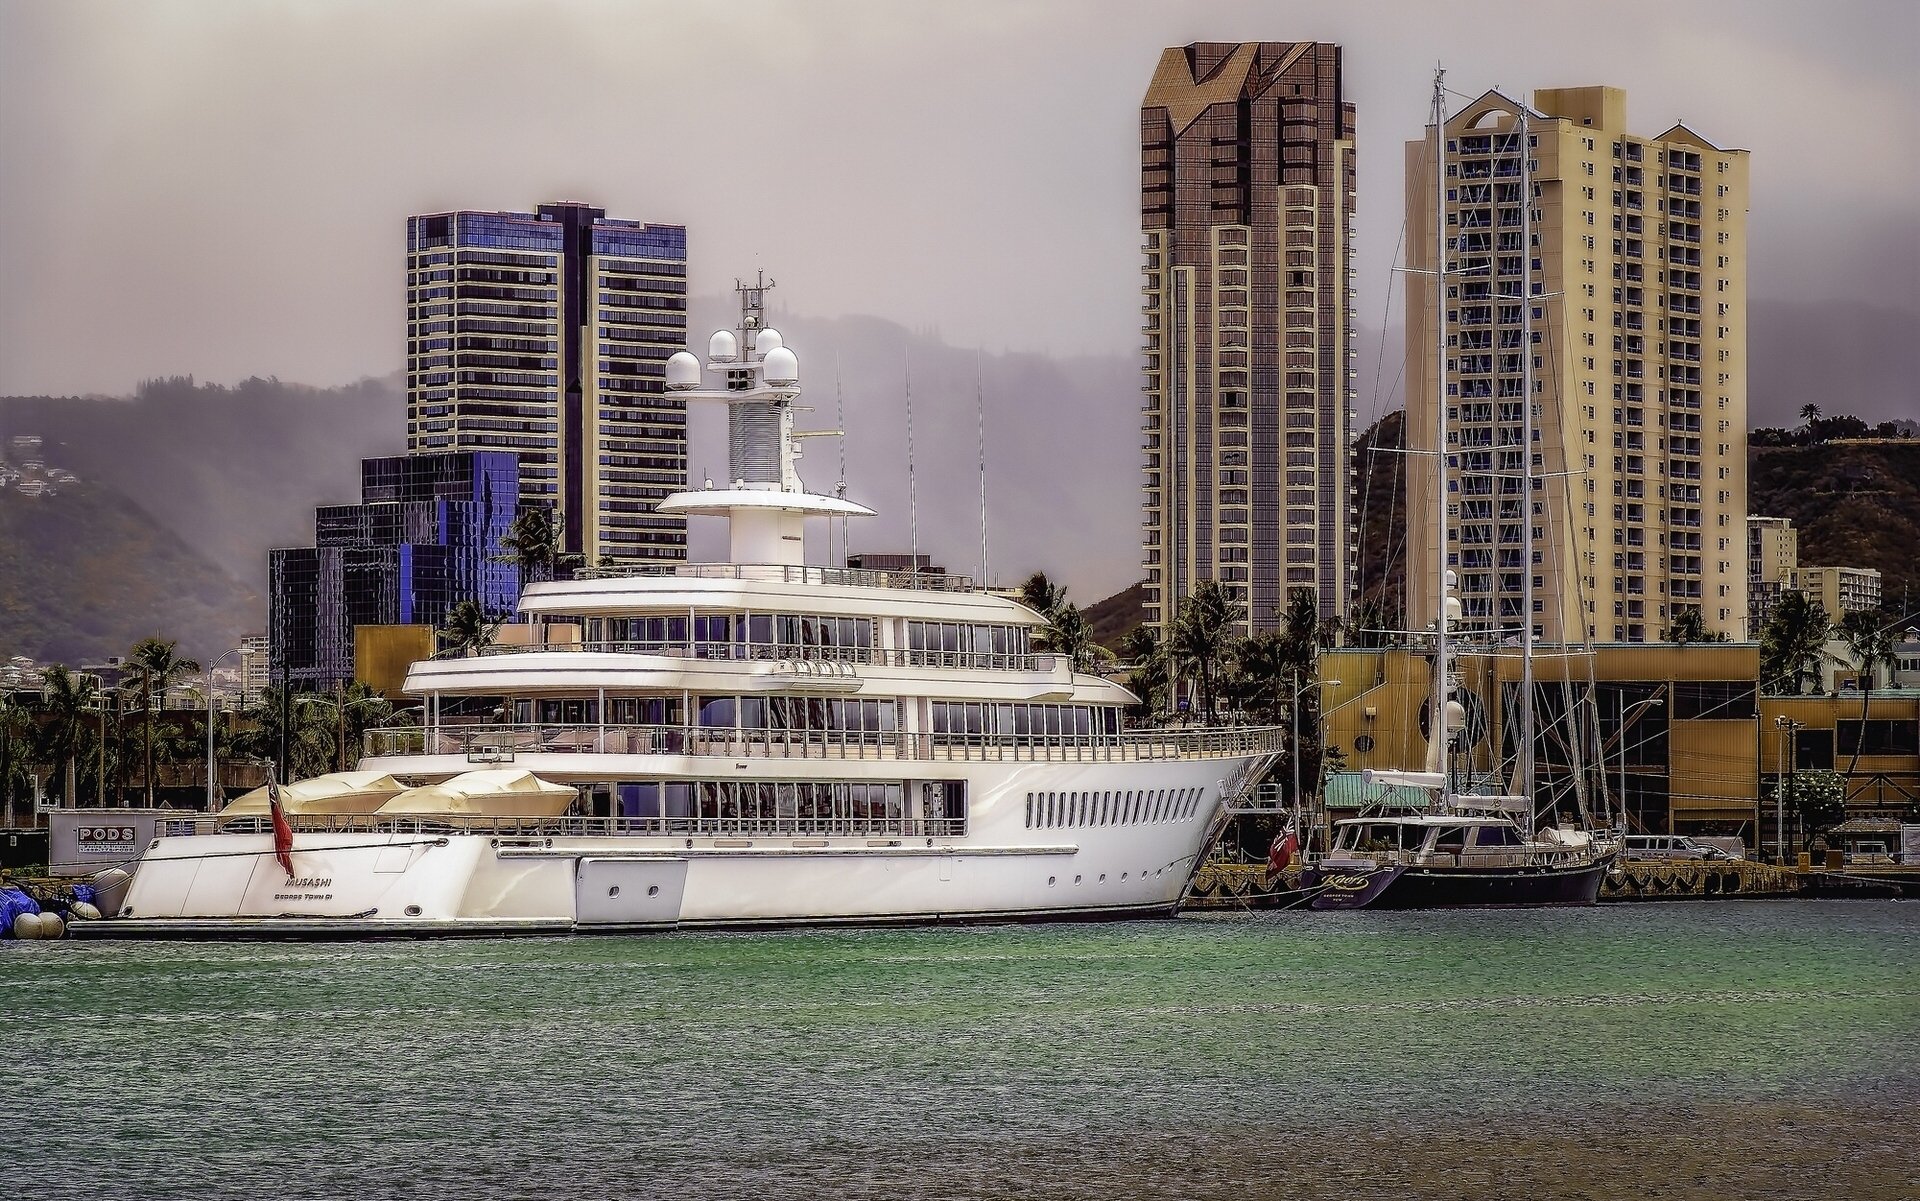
column 1629, row 1050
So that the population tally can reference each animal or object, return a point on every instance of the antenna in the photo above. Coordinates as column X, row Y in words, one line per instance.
column 913, row 500
column 980, row 428
column 840, row 486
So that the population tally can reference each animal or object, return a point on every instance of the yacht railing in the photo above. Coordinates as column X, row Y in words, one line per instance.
column 1471, row 858
column 785, row 573
column 865, row 656
column 576, row 826
column 503, row 743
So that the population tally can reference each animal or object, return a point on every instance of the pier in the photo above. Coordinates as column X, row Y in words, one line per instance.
column 1228, row 886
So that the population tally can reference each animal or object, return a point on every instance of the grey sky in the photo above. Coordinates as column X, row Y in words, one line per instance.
column 219, row 188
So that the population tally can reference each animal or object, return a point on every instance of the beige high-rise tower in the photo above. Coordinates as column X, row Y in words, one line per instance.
column 1637, row 284
column 1246, row 215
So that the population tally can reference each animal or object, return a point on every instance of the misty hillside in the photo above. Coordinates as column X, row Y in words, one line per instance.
column 232, row 471
column 1855, row 504
column 1063, row 458
column 87, row 573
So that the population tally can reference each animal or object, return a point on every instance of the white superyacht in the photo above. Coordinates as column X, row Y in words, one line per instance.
column 759, row 742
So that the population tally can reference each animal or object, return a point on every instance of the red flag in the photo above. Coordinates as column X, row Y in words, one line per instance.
column 1280, row 854
column 282, row 829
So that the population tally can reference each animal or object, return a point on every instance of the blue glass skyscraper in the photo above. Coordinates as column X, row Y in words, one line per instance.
column 547, row 333
column 426, row 535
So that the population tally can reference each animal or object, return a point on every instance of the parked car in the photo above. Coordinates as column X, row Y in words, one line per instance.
column 1674, row 846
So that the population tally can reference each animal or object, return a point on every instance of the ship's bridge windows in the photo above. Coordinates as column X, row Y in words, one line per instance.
column 800, row 713
column 992, row 719
column 736, row 635
column 956, row 643
column 847, row 807
column 621, row 711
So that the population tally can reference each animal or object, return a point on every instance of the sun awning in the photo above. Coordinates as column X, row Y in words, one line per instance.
column 493, row 792
column 336, row 792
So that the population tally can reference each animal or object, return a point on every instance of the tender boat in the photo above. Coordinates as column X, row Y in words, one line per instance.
column 760, row 742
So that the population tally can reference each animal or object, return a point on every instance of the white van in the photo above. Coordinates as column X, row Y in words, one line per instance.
column 1673, row 846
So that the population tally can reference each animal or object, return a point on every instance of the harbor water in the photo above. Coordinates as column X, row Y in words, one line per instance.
column 1686, row 1050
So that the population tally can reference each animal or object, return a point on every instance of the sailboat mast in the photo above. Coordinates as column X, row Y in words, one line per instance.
column 1526, row 472
column 1442, row 665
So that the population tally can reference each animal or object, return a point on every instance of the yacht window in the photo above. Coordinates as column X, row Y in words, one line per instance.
column 639, row 800
column 717, row 712
column 1450, row 840
column 1496, row 836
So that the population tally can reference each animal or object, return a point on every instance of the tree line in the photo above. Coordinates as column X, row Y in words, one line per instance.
column 115, row 745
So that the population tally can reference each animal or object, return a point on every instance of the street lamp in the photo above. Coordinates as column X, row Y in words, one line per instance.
column 1298, row 686
column 340, row 706
column 1787, row 726
column 1620, row 702
column 212, row 786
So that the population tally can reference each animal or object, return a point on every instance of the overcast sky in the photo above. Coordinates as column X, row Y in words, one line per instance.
column 220, row 188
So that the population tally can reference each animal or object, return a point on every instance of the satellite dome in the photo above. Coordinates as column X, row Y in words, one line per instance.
column 1454, row 610
column 781, row 367
column 683, row 372
column 767, row 341
column 723, row 348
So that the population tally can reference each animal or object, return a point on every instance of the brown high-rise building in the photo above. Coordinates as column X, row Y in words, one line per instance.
column 1246, row 214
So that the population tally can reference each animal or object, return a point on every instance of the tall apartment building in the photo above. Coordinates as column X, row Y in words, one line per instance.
column 1840, row 590
column 1246, row 215
column 425, row 536
column 546, row 334
column 1773, row 552
column 1637, row 282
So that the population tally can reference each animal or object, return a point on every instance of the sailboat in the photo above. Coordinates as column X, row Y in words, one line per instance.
column 1460, row 848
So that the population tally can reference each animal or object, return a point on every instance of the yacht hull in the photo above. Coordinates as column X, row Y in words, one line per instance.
column 1396, row 887
column 419, row 880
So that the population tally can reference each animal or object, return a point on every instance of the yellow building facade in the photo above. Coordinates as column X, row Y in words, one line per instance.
column 1636, row 278
column 1680, row 732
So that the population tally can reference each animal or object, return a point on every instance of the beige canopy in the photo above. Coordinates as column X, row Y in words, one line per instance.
column 340, row 792
column 500, row 792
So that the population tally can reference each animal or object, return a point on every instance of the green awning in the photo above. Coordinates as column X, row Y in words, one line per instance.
column 1350, row 790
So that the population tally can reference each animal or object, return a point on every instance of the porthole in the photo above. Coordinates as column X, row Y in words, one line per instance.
column 1123, row 877
column 1103, row 877
column 1050, row 881
column 1076, row 879
column 614, row 891
column 653, row 890
column 412, row 911
column 1363, row 744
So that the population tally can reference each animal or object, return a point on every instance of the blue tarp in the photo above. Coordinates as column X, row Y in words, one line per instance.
column 13, row 902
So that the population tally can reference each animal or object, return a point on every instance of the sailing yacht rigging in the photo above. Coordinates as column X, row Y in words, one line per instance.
column 1463, row 848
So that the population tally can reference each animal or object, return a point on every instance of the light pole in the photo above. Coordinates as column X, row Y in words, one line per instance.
column 212, row 784
column 1621, row 708
column 1298, row 684
column 340, row 706
column 1787, row 726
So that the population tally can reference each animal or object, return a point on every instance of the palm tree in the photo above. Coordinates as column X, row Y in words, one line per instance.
column 468, row 630
column 355, row 709
column 312, row 734
column 1690, row 627
column 1870, row 644
column 532, row 544
column 1790, row 644
column 68, row 701
column 1041, row 594
column 1151, row 676
column 1068, row 634
column 157, row 667
column 16, row 723
column 1264, row 667
column 1204, row 638
column 1809, row 413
